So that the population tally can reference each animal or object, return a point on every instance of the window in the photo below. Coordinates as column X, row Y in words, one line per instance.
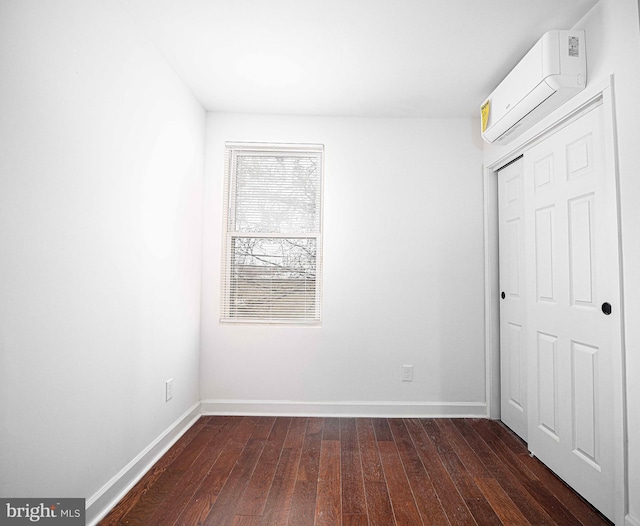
column 272, row 254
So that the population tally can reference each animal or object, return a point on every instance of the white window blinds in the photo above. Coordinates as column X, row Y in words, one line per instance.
column 272, row 264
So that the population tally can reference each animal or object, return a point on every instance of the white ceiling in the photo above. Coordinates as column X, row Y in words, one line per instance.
column 383, row 58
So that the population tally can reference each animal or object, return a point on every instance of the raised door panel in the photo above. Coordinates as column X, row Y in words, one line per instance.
column 515, row 363
column 547, row 384
column 544, row 249
column 581, row 251
column 584, row 396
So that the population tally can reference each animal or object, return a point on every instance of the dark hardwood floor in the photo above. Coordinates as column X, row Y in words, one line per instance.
column 251, row 471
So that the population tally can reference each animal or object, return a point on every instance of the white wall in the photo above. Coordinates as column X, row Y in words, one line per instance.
column 100, row 245
column 403, row 274
column 613, row 47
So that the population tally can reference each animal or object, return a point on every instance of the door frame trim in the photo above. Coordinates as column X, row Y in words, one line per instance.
column 603, row 93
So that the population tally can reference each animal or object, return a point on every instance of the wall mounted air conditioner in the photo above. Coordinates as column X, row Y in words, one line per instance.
column 552, row 72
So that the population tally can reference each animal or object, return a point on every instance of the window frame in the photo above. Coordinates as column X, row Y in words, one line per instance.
column 232, row 151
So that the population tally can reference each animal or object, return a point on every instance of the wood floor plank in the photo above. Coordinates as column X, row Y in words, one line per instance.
column 514, row 486
column 131, row 499
column 254, row 498
column 404, row 508
column 328, row 502
column 551, row 504
column 353, row 519
column 369, row 454
column 303, row 502
column 583, row 511
column 173, row 505
column 263, row 427
column 353, row 498
column 246, row 520
column 205, row 496
column 382, row 430
column 378, row 504
column 428, row 502
column 408, row 454
column 164, row 485
column 279, row 471
column 310, row 460
column 331, row 429
column 425, row 495
column 462, row 478
column 454, row 505
column 278, row 506
column 502, row 451
column 226, row 504
column 218, row 420
column 502, row 504
column 465, row 453
column 296, row 433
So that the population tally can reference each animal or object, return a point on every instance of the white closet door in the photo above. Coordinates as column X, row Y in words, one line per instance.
column 572, row 273
column 513, row 355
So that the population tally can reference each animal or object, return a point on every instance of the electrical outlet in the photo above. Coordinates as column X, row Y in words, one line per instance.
column 407, row 373
column 168, row 389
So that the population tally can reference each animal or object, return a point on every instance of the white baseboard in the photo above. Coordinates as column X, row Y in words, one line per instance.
column 352, row 409
column 631, row 521
column 110, row 494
